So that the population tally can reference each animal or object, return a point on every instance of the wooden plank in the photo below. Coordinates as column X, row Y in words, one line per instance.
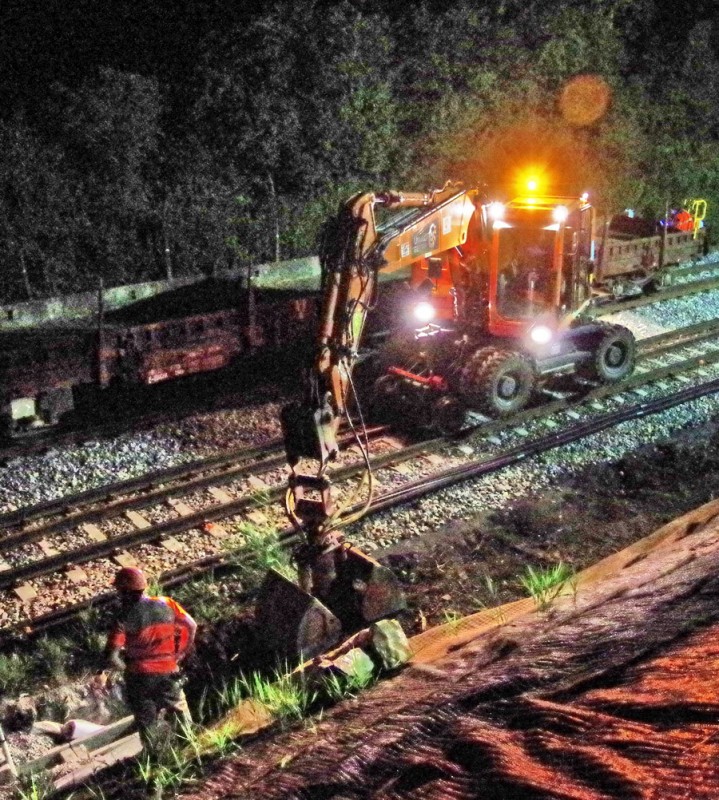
column 25, row 592
column 102, row 758
column 75, row 754
column 77, row 575
column 108, row 734
column 47, row 549
column 171, row 544
column 257, row 517
column 124, row 559
column 215, row 529
column 182, row 508
column 219, row 495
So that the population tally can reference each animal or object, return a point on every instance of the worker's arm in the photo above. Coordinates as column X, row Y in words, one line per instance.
column 187, row 627
column 115, row 644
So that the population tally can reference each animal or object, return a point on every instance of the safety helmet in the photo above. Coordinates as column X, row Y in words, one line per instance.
column 130, row 579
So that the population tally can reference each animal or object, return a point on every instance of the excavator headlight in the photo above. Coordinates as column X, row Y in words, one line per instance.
column 560, row 213
column 424, row 312
column 541, row 334
column 496, row 211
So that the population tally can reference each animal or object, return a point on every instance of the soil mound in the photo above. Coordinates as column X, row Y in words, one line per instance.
column 611, row 693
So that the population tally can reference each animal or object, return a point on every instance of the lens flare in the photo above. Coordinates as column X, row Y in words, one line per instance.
column 584, row 100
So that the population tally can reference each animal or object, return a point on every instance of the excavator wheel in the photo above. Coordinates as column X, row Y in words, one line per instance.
column 614, row 355
column 395, row 402
column 498, row 382
column 386, row 399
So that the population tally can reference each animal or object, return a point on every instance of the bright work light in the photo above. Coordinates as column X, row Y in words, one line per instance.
column 541, row 334
column 424, row 312
column 560, row 213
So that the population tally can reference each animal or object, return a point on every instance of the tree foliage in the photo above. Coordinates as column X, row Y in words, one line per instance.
column 192, row 148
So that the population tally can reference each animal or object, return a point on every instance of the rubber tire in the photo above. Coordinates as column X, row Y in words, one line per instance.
column 486, row 381
column 614, row 357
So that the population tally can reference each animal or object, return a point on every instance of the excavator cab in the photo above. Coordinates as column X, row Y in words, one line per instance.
column 541, row 251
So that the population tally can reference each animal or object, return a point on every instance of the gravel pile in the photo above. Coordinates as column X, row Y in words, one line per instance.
column 57, row 473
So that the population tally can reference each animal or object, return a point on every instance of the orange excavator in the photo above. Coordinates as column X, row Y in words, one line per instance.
column 497, row 292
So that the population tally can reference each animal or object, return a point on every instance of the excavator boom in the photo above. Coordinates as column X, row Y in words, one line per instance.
column 339, row 586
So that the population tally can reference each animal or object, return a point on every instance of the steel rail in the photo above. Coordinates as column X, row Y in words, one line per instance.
column 411, row 491
column 602, row 308
column 60, row 505
column 113, row 507
column 51, row 564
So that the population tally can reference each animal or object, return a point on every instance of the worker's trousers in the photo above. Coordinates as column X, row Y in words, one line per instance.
column 148, row 695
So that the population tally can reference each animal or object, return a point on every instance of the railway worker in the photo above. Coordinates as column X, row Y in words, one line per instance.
column 683, row 220
column 150, row 638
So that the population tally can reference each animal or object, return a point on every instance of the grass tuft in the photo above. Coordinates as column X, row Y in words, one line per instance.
column 52, row 657
column 206, row 599
column 545, row 585
column 257, row 549
column 35, row 786
column 285, row 696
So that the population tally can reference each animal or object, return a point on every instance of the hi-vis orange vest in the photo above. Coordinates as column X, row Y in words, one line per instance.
column 684, row 221
column 155, row 633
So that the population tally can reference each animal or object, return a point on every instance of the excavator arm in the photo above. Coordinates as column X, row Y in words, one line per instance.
column 351, row 255
column 339, row 586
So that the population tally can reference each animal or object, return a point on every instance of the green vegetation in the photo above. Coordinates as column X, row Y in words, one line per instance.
column 545, row 585
column 256, row 548
column 155, row 167
column 15, row 672
column 286, row 697
column 207, row 599
column 494, row 600
column 36, row 786
column 52, row 655
column 362, row 676
column 452, row 618
column 92, row 636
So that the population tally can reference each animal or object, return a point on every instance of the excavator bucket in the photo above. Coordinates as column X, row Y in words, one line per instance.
column 293, row 622
column 364, row 591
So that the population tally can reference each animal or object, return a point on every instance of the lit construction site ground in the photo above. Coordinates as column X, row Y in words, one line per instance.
column 612, row 693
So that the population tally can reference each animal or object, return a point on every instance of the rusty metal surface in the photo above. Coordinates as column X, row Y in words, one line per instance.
column 614, row 693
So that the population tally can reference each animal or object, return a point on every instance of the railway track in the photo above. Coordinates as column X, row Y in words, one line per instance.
column 684, row 281
column 59, row 554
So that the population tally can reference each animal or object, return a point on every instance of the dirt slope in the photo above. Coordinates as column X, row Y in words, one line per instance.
column 613, row 693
